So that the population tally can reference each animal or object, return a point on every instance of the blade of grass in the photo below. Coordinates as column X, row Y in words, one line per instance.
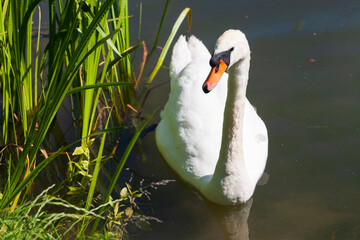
column 159, row 29
column 37, row 59
column 98, row 85
column 25, row 22
column 103, row 33
column 186, row 11
column 125, row 53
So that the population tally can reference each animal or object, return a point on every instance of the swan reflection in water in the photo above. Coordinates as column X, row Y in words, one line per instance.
column 233, row 219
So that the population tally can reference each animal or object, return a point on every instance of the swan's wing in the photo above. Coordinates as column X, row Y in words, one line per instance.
column 181, row 56
column 198, row 49
column 185, row 52
column 189, row 133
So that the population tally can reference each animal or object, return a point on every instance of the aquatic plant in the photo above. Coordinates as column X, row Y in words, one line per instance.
column 86, row 62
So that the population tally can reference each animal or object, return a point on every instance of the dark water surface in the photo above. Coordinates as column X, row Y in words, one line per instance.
column 305, row 83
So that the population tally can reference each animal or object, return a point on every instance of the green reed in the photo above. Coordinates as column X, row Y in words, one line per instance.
column 87, row 59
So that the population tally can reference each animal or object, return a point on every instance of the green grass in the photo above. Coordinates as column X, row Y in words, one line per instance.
column 34, row 220
column 86, row 61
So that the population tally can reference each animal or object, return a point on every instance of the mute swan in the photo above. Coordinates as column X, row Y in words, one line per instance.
column 215, row 141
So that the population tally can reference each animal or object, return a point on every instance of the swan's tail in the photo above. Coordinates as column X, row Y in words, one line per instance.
column 185, row 52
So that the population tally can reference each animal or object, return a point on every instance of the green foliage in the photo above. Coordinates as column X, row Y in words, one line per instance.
column 31, row 220
column 87, row 61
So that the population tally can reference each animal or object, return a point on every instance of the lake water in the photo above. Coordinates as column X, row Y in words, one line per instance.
column 305, row 83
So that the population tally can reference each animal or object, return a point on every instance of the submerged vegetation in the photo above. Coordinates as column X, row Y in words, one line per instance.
column 86, row 71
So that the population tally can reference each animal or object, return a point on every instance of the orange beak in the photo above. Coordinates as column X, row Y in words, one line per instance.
column 214, row 76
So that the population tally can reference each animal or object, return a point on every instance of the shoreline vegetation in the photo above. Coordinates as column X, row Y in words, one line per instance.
column 52, row 187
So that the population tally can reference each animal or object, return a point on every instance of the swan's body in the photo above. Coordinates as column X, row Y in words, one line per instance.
column 216, row 141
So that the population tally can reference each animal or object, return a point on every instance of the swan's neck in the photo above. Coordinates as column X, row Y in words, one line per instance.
column 230, row 170
column 231, row 157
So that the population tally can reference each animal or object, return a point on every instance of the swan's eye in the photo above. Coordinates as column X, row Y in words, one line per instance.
column 217, row 68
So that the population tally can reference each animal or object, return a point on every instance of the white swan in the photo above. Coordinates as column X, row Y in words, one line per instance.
column 216, row 141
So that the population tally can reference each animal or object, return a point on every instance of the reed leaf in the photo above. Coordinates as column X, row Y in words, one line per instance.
column 160, row 26
column 98, row 85
column 184, row 13
column 103, row 33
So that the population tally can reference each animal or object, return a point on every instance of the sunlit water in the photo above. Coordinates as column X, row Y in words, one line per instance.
column 305, row 83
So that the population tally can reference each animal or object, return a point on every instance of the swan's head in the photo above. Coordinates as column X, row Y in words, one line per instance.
column 231, row 47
